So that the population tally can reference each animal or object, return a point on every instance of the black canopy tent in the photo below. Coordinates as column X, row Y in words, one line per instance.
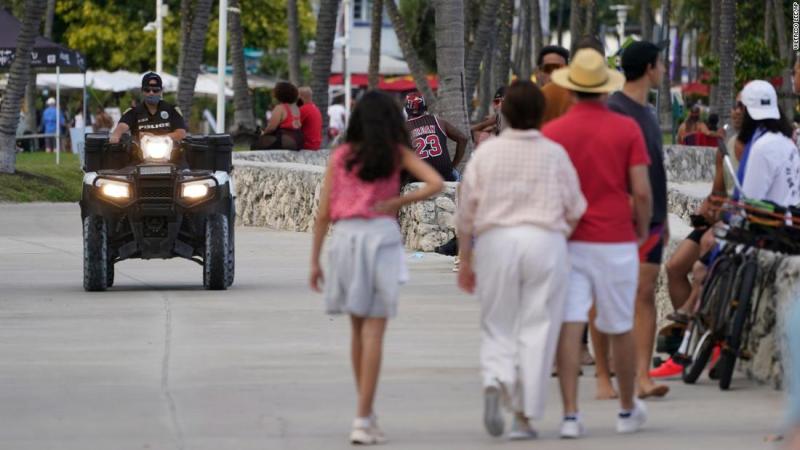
column 45, row 55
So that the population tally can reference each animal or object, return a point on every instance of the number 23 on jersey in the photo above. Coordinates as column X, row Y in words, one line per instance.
column 428, row 146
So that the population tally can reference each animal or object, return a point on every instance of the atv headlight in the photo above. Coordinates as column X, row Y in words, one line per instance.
column 113, row 189
column 195, row 190
column 156, row 148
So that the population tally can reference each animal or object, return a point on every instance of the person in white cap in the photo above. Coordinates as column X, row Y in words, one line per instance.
column 49, row 123
column 769, row 168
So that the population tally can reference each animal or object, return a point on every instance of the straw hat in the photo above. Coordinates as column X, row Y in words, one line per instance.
column 587, row 72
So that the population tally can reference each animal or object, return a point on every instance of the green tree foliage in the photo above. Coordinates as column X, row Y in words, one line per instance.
column 110, row 32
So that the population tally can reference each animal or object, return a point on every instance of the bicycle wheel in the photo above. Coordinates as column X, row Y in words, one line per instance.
column 733, row 339
column 700, row 348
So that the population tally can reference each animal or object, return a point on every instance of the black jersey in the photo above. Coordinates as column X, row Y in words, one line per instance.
column 429, row 141
column 166, row 119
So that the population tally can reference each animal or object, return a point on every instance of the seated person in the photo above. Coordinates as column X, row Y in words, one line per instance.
column 284, row 130
column 311, row 120
column 691, row 128
column 429, row 135
column 491, row 125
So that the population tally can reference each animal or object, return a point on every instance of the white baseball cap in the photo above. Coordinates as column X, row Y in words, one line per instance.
column 51, row 101
column 761, row 100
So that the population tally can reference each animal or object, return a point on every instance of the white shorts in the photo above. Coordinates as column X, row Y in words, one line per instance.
column 607, row 274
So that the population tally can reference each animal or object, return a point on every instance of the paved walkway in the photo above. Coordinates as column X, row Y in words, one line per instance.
column 159, row 363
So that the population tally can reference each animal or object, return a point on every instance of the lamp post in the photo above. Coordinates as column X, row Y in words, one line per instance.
column 622, row 17
column 348, row 88
column 159, row 35
column 221, row 64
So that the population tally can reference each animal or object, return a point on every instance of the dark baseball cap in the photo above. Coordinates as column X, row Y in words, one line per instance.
column 500, row 93
column 639, row 54
column 152, row 79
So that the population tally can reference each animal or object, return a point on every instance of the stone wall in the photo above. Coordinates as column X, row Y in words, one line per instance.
column 689, row 163
column 429, row 223
column 314, row 158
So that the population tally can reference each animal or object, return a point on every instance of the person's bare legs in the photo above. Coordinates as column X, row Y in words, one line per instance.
column 356, row 323
column 678, row 268
column 569, row 364
column 624, row 347
column 644, row 331
column 372, row 332
column 605, row 388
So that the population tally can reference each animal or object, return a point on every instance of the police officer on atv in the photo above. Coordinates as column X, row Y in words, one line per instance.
column 152, row 116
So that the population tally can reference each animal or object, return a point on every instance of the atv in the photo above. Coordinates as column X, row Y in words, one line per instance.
column 154, row 199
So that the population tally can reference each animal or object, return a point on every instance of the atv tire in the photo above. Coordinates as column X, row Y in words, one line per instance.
column 218, row 255
column 95, row 254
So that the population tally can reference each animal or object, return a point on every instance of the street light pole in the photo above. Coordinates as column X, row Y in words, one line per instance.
column 348, row 88
column 222, row 64
column 159, row 36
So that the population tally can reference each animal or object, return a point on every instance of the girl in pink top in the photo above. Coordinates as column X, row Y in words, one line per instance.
column 361, row 196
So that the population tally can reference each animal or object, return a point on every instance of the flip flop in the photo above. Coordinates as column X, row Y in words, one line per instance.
column 657, row 391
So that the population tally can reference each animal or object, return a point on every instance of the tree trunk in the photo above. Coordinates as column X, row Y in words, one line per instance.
column 502, row 61
column 768, row 22
column 17, row 80
column 575, row 24
column 30, row 88
column 472, row 65
column 375, row 44
column 665, row 96
column 418, row 71
column 486, row 82
column 787, row 99
column 193, row 56
column 323, row 56
column 295, row 76
column 646, row 20
column 50, row 13
column 560, row 22
column 243, row 118
column 538, row 34
column 187, row 7
column 727, row 53
column 450, row 62
column 714, row 94
column 591, row 17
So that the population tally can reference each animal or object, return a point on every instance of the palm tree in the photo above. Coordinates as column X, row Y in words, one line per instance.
column 727, row 53
column 714, row 39
column 418, row 71
column 486, row 26
column 193, row 55
column 768, row 22
column 575, row 22
column 375, row 44
column 664, row 95
column 538, row 39
column 15, row 88
column 787, row 99
column 589, row 6
column 646, row 19
column 502, row 60
column 323, row 55
column 243, row 117
column 450, row 49
column 187, row 7
column 522, row 52
column 294, row 41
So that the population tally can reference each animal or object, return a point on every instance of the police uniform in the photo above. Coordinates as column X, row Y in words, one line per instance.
column 166, row 119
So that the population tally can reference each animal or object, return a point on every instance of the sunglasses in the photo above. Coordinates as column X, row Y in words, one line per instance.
column 549, row 68
column 154, row 90
column 497, row 101
column 738, row 105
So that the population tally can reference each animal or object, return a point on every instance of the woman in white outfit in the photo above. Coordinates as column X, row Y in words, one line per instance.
column 520, row 199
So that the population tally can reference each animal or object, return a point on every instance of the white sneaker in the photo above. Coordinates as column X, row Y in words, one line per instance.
column 366, row 432
column 492, row 416
column 572, row 427
column 521, row 430
column 632, row 422
column 456, row 263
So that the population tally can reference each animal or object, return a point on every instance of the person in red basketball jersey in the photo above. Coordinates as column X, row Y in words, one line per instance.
column 429, row 136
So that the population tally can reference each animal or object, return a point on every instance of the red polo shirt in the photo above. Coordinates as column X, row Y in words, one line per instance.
column 603, row 146
column 311, row 120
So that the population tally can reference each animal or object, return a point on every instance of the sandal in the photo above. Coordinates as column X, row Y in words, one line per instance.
column 678, row 316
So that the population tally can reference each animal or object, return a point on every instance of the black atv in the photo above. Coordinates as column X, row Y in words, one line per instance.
column 152, row 199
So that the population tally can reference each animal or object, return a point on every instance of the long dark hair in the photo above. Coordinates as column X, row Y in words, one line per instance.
column 376, row 134
column 750, row 125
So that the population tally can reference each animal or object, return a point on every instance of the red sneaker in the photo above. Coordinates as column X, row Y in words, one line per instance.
column 667, row 369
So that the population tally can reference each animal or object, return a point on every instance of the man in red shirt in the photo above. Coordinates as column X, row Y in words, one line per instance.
column 311, row 119
column 610, row 156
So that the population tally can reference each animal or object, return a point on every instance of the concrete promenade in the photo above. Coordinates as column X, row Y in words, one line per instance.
column 159, row 363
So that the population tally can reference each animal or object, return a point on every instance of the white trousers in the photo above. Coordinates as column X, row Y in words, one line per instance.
column 522, row 275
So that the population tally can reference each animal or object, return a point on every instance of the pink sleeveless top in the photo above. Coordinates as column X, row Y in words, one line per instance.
column 351, row 197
